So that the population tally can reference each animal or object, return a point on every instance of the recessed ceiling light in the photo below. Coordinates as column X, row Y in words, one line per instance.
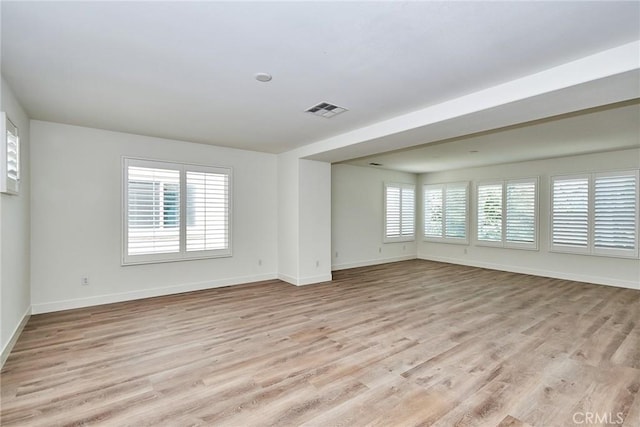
column 263, row 77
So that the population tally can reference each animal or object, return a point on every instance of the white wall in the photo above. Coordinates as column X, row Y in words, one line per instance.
column 357, row 217
column 602, row 270
column 15, row 215
column 76, row 218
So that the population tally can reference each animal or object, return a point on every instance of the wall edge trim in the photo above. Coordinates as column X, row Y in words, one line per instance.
column 4, row 355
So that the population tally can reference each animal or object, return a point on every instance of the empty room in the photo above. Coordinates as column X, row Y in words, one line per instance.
column 243, row 214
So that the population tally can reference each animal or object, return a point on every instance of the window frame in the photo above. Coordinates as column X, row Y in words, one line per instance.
column 182, row 254
column 590, row 248
column 444, row 188
column 400, row 237
column 503, row 242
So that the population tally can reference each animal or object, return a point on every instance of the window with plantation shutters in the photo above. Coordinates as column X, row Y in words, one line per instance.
column 399, row 212
column 507, row 213
column 596, row 214
column 175, row 211
column 10, row 159
column 445, row 210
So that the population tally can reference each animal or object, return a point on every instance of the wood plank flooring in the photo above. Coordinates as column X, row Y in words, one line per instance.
column 412, row 343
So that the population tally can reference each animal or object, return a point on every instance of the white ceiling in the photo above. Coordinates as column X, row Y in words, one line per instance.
column 598, row 130
column 184, row 70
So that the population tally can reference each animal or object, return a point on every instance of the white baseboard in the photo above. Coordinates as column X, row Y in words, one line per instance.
column 369, row 262
column 14, row 337
column 145, row 293
column 314, row 279
column 289, row 279
column 302, row 281
column 536, row 272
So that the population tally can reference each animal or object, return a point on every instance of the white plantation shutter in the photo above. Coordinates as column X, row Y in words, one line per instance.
column 520, row 222
column 13, row 159
column 408, row 208
column 153, row 222
column 399, row 203
column 392, row 204
column 489, row 212
column 207, row 211
column 433, row 209
column 615, row 213
column 570, row 213
column 10, row 170
column 456, row 207
column 175, row 211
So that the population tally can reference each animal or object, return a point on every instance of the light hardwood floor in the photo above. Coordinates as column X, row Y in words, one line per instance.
column 403, row 344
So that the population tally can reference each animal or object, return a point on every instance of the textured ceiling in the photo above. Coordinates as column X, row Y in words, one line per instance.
column 184, row 70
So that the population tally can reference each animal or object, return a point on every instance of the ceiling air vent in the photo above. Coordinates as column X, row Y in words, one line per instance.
column 326, row 110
